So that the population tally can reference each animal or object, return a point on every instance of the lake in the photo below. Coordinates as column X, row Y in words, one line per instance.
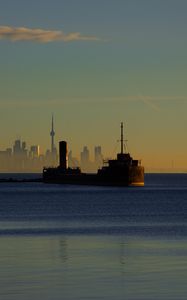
column 81, row 242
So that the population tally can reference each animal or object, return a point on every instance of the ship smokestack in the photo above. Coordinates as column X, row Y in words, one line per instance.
column 63, row 152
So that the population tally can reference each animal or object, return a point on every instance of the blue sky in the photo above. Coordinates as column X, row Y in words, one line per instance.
column 134, row 71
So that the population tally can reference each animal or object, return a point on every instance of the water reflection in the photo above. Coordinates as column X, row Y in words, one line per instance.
column 92, row 267
column 122, row 253
column 63, row 249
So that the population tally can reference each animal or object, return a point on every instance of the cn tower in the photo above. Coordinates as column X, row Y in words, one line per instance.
column 52, row 134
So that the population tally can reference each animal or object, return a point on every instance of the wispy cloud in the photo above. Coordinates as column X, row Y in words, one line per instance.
column 152, row 102
column 149, row 101
column 41, row 35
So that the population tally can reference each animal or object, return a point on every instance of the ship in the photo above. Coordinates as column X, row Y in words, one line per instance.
column 122, row 171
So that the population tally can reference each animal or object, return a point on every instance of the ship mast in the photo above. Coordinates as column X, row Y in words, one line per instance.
column 121, row 137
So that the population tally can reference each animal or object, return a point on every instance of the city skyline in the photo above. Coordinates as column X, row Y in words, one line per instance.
column 95, row 64
column 21, row 158
column 89, row 161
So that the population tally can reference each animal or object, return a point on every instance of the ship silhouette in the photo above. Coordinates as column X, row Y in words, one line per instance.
column 122, row 171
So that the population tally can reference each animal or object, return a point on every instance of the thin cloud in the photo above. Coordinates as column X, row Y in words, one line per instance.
column 149, row 101
column 41, row 35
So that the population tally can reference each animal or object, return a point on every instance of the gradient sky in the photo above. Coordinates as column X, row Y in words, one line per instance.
column 127, row 63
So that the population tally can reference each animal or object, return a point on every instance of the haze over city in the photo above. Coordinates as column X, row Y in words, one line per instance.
column 22, row 158
column 94, row 64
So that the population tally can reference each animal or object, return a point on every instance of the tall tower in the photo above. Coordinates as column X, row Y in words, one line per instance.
column 52, row 134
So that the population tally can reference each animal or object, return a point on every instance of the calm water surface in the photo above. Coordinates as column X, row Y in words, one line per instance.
column 74, row 242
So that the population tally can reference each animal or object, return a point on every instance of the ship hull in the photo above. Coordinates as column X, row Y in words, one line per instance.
column 133, row 176
column 136, row 176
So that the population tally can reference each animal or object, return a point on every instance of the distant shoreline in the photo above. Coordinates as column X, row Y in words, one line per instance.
column 14, row 180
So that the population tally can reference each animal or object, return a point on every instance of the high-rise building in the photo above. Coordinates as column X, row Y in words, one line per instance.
column 34, row 151
column 23, row 146
column 72, row 161
column 98, row 157
column 85, row 156
column 85, row 159
column 17, row 150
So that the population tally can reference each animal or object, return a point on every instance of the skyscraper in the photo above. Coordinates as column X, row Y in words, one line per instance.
column 98, row 156
column 34, row 151
column 85, row 156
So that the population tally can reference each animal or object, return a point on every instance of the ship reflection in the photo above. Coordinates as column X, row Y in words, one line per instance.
column 66, row 248
column 63, row 250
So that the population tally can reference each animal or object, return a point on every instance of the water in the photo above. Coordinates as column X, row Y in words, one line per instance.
column 80, row 242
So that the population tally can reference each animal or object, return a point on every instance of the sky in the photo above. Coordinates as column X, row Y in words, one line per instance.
column 94, row 64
